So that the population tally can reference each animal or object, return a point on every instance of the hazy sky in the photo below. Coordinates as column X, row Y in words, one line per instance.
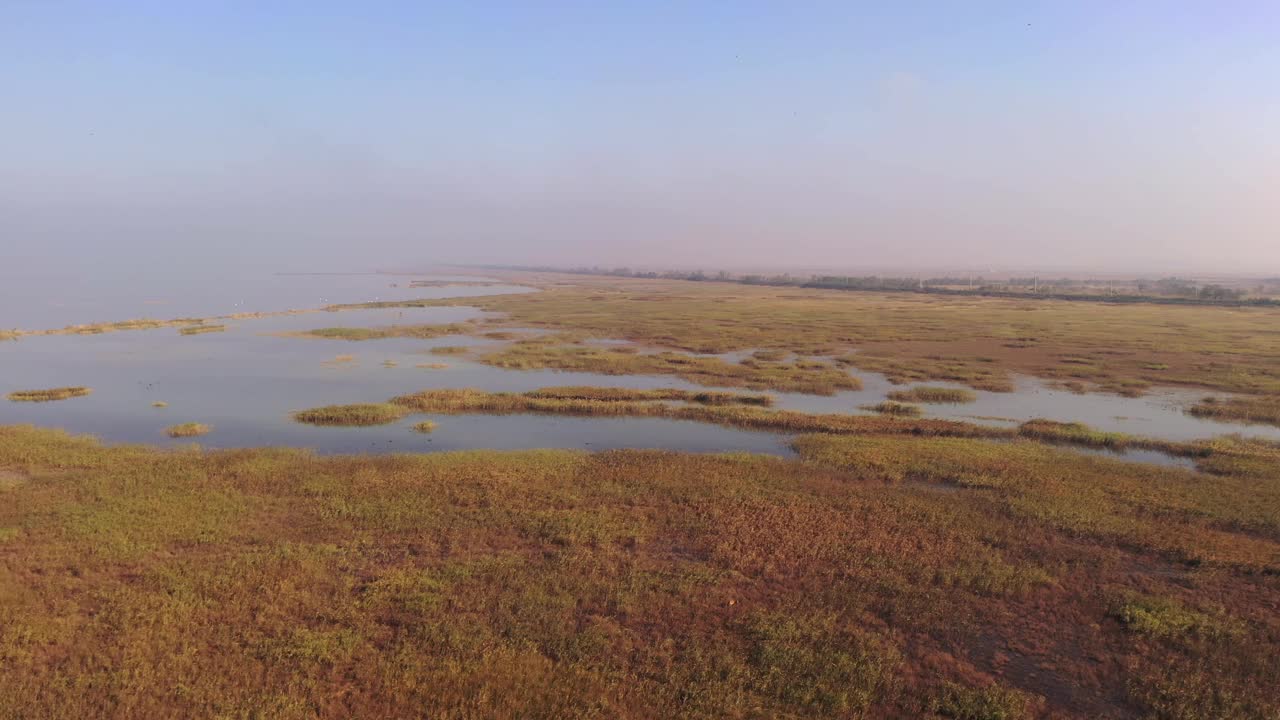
column 1093, row 134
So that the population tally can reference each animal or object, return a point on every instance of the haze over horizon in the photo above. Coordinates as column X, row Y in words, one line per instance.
column 326, row 135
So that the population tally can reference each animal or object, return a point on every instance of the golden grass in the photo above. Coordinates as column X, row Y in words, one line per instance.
column 912, row 338
column 425, row 427
column 883, row 577
column 201, row 329
column 934, row 395
column 159, row 404
column 49, row 395
column 448, row 350
column 890, row 407
column 611, row 394
column 424, row 332
column 811, row 377
column 351, row 415
column 191, row 429
column 1239, row 409
column 576, row 402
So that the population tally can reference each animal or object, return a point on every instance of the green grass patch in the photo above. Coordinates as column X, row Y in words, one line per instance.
column 988, row 702
column 1166, row 617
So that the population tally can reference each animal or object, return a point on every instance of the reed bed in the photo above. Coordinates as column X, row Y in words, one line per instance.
column 191, row 429
column 933, row 395
column 471, row 400
column 359, row 414
column 355, row 334
column 201, row 329
column 449, row 350
column 628, row 394
column 807, row 376
column 980, row 343
column 50, row 394
column 889, row 407
column 1256, row 409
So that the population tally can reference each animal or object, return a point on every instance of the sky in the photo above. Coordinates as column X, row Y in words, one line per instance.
column 318, row 135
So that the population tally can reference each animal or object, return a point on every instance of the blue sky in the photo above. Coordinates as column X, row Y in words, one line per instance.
column 1138, row 135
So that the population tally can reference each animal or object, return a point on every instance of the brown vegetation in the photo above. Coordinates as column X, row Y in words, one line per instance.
column 191, row 429
column 351, row 415
column 935, row 395
column 874, row 577
column 974, row 341
column 1239, row 409
column 890, row 407
column 201, row 329
column 818, row 378
column 49, row 395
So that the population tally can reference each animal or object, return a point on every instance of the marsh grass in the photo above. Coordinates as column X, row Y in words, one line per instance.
column 890, row 407
column 720, row 411
column 631, row 584
column 351, row 415
column 449, row 350
column 987, row 702
column 425, row 427
column 159, row 404
column 933, row 395
column 812, row 377
column 977, row 342
column 432, row 366
column 49, row 395
column 1167, row 617
column 1239, row 409
column 424, row 332
column 201, row 329
column 610, row 394
column 191, row 429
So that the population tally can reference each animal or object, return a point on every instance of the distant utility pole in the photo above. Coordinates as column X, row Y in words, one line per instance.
column 1035, row 284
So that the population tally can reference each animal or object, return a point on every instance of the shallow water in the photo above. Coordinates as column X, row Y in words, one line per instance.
column 1158, row 415
column 246, row 382
column 40, row 302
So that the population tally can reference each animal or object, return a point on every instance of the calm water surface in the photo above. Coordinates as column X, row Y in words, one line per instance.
column 246, row 382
